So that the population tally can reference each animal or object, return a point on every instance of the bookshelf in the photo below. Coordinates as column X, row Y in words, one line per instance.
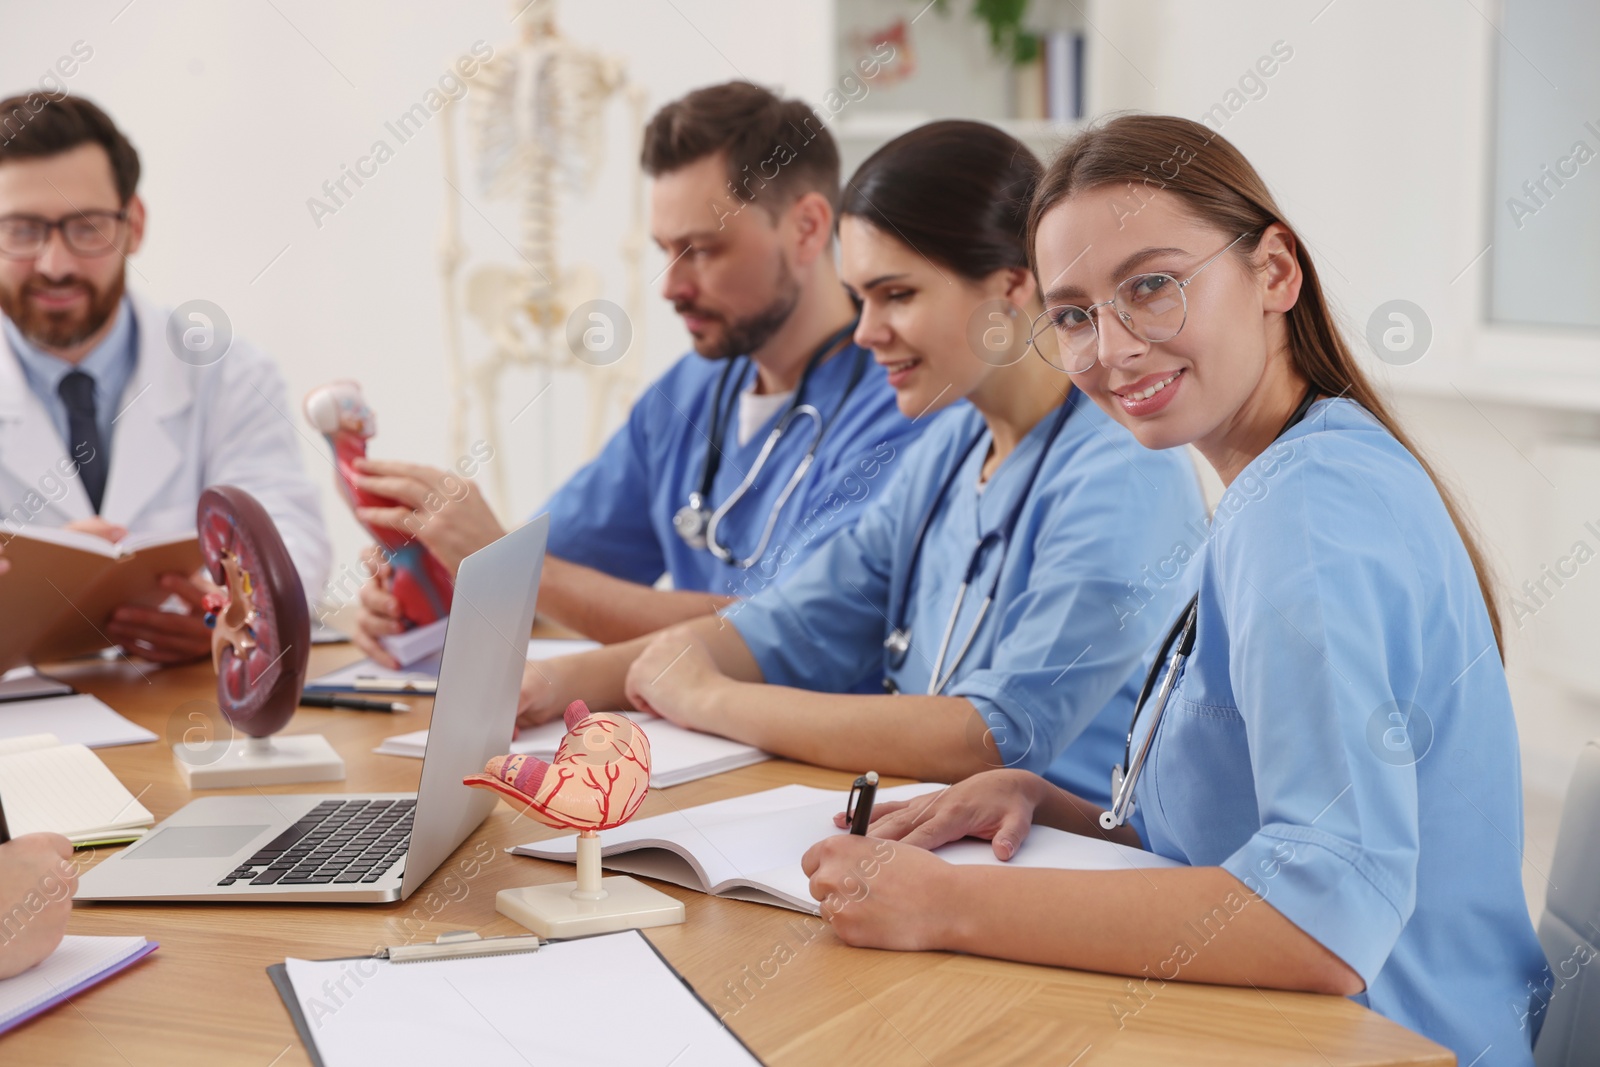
column 898, row 64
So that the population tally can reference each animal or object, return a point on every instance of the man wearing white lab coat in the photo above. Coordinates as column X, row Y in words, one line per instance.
column 114, row 413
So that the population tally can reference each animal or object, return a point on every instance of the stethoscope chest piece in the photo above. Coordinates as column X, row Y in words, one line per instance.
column 697, row 521
column 692, row 521
column 897, row 644
column 1118, row 773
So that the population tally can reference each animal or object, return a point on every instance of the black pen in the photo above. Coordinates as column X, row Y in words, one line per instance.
column 5, row 831
column 859, row 810
column 333, row 700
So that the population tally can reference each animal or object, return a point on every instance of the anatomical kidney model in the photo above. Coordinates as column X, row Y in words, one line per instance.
column 598, row 779
column 260, row 644
column 421, row 584
column 261, row 626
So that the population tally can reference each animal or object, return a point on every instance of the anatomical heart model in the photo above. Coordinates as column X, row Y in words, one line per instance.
column 421, row 584
column 261, row 626
column 598, row 779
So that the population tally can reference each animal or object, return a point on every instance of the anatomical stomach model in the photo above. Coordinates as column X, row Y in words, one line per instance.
column 421, row 584
column 598, row 779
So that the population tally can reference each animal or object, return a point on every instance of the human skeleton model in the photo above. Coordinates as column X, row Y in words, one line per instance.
column 533, row 125
column 421, row 584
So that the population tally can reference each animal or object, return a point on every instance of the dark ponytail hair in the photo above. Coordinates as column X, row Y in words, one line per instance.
column 955, row 191
column 1220, row 188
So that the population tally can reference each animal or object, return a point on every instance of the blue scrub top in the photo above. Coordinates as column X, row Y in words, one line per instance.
column 1056, row 662
column 1342, row 738
column 615, row 514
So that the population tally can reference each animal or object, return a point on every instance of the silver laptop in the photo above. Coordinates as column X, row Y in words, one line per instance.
column 355, row 847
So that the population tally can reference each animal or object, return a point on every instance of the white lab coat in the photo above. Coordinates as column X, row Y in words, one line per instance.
column 180, row 429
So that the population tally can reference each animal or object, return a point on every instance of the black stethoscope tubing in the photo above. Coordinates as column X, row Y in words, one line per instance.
column 898, row 643
column 1178, row 644
column 693, row 521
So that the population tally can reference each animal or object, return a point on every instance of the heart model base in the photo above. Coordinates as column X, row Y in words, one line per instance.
column 598, row 780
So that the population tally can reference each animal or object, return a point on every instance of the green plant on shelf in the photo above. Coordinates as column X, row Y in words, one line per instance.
column 1003, row 18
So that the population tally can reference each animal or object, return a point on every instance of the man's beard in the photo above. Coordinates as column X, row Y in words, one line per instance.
column 744, row 335
column 61, row 329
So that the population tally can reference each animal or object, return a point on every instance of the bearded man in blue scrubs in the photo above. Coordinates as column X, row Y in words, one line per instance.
column 743, row 206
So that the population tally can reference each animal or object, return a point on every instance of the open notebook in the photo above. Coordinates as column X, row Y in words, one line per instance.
column 65, row 789
column 749, row 847
column 76, row 964
column 677, row 755
column 606, row 1001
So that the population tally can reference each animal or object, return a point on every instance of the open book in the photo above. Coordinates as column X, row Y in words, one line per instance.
column 677, row 755
column 749, row 847
column 65, row 789
column 67, row 583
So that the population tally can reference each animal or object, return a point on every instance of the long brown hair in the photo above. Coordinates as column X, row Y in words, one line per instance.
column 1220, row 188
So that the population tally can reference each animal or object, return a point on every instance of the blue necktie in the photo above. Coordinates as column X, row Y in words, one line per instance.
column 83, row 434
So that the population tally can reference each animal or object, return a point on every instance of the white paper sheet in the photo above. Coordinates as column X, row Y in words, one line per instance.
column 604, row 1001
column 77, row 719
column 364, row 676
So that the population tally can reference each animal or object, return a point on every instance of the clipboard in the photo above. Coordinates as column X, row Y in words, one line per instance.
column 278, row 973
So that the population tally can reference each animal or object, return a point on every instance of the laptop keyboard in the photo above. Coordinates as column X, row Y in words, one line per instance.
column 337, row 842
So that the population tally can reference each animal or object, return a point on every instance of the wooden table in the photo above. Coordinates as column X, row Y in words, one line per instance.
column 785, row 984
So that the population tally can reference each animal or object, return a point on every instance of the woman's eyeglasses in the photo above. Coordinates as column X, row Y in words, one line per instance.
column 1151, row 306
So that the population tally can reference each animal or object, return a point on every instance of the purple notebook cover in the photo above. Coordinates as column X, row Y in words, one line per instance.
column 93, row 979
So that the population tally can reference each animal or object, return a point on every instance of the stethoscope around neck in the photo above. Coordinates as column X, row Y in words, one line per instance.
column 898, row 643
column 697, row 522
column 1176, row 648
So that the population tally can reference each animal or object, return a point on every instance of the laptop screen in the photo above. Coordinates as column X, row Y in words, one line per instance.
column 475, row 707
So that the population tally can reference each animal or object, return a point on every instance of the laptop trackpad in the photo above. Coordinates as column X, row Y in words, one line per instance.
column 194, row 842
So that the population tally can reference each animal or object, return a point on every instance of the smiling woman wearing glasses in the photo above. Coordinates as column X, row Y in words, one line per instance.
column 1326, row 741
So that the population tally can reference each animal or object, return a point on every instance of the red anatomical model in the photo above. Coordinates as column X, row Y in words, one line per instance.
column 421, row 584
